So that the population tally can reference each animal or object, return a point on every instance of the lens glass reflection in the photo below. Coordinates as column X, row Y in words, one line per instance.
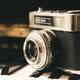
column 31, row 51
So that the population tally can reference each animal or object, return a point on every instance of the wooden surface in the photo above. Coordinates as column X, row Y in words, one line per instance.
column 14, row 30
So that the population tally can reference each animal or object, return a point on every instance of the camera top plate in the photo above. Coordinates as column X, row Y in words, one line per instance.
column 55, row 20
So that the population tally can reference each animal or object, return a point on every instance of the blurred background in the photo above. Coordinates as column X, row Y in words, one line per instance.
column 16, row 11
column 14, row 25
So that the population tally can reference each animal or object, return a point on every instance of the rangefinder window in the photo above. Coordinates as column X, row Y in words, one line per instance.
column 56, row 21
column 43, row 20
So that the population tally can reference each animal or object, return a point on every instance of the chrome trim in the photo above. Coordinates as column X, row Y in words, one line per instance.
column 71, row 21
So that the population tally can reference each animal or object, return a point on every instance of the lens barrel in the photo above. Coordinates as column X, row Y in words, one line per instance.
column 38, row 48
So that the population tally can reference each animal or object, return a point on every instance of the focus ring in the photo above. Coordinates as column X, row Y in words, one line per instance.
column 42, row 40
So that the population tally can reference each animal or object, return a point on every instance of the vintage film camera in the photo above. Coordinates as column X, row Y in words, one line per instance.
column 54, row 40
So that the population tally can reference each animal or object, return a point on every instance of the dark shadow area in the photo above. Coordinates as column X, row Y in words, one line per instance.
column 16, row 11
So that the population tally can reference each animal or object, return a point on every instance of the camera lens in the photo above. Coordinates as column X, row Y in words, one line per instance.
column 38, row 48
column 31, row 51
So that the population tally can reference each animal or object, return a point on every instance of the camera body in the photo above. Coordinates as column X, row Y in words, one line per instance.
column 54, row 40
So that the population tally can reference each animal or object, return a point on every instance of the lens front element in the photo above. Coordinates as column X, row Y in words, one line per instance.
column 37, row 48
